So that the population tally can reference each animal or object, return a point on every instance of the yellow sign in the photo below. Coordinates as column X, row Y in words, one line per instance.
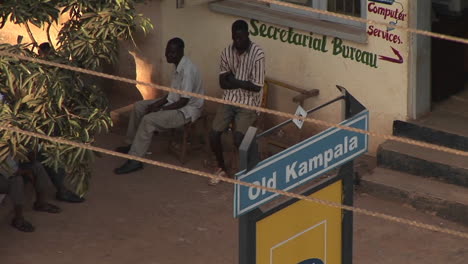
column 303, row 233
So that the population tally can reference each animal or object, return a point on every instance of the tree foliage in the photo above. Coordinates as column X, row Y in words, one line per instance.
column 57, row 102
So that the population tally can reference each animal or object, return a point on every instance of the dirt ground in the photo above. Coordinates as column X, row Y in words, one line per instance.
column 157, row 216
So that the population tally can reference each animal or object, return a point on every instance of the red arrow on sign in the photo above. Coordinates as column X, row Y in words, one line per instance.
column 399, row 60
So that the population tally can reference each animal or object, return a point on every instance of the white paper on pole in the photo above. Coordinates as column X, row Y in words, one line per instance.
column 300, row 112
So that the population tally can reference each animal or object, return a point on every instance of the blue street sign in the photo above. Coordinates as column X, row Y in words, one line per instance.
column 301, row 163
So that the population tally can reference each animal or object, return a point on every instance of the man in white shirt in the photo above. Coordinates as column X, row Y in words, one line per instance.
column 171, row 111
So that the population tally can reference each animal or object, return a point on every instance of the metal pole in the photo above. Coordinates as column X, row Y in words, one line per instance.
column 248, row 150
column 347, row 171
column 269, row 131
column 248, row 154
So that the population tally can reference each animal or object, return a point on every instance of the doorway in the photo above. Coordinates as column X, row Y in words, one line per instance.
column 449, row 59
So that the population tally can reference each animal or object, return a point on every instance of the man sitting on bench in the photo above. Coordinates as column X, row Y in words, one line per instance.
column 241, row 77
column 171, row 111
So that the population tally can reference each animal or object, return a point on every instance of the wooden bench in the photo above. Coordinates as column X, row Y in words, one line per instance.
column 184, row 147
column 299, row 99
column 180, row 150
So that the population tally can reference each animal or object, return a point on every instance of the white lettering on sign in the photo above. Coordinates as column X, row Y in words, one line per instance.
column 300, row 163
column 323, row 159
column 296, row 170
column 291, row 172
column 254, row 192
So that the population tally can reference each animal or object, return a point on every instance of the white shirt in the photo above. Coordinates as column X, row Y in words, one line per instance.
column 187, row 77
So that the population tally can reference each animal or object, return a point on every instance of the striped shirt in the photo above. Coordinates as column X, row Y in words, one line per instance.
column 248, row 66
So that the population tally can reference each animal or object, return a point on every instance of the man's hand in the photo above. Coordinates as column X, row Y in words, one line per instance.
column 231, row 82
column 157, row 105
column 230, row 78
column 225, row 81
column 153, row 108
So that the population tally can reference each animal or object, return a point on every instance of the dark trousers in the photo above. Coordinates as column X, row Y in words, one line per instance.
column 14, row 186
column 57, row 177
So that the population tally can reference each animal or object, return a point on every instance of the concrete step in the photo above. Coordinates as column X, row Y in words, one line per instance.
column 446, row 167
column 444, row 200
column 450, row 136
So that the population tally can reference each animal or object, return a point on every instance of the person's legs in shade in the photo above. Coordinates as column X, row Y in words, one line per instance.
column 224, row 116
column 243, row 120
column 14, row 187
column 40, row 179
column 63, row 194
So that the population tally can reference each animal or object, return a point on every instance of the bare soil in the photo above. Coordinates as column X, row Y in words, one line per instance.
column 159, row 216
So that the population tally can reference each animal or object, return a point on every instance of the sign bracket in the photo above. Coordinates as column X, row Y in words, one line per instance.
column 249, row 158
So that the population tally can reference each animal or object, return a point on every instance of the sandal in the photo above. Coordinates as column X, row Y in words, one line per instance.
column 215, row 181
column 47, row 208
column 22, row 225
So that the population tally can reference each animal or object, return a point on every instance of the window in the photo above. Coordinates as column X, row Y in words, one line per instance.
column 346, row 7
column 303, row 19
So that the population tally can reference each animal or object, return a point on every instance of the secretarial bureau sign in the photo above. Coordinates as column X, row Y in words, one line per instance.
column 301, row 163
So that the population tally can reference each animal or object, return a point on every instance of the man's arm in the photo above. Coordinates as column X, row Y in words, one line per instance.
column 246, row 85
column 225, row 71
column 160, row 105
column 223, row 82
column 255, row 82
column 176, row 105
column 156, row 106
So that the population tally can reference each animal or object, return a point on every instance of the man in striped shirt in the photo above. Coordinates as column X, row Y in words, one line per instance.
column 242, row 75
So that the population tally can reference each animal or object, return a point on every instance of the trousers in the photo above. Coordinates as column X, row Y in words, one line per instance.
column 142, row 125
column 14, row 186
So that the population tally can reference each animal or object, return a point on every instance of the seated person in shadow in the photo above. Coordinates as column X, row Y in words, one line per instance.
column 57, row 176
column 12, row 178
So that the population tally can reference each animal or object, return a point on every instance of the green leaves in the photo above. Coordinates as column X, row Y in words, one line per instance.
column 91, row 36
column 57, row 102
column 54, row 102
column 36, row 12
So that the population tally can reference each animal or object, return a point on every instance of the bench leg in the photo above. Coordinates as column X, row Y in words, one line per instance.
column 183, row 151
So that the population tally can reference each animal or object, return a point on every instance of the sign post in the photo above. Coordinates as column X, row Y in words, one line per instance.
column 289, row 169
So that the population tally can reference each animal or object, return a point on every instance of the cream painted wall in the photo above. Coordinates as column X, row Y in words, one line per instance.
column 140, row 63
column 382, row 90
column 10, row 32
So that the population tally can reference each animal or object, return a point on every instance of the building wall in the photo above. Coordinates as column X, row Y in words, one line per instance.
column 10, row 32
column 305, row 59
column 382, row 87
